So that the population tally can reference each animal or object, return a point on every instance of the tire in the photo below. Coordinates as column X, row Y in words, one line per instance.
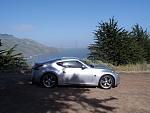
column 106, row 82
column 49, row 80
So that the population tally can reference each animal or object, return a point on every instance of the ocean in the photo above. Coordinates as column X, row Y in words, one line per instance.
column 69, row 52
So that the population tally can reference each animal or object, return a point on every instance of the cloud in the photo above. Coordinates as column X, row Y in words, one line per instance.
column 24, row 28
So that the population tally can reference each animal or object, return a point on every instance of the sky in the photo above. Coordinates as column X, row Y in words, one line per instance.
column 68, row 23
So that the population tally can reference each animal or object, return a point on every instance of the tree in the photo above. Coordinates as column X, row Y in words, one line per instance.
column 141, row 36
column 9, row 60
column 1, row 53
column 114, row 45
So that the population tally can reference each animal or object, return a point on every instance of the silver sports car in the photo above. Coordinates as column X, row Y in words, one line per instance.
column 72, row 71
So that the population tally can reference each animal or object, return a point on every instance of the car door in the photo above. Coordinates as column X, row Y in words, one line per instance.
column 74, row 73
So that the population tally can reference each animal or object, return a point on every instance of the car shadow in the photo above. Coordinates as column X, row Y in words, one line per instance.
column 19, row 96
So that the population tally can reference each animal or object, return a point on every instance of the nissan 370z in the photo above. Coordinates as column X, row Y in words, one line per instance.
column 72, row 71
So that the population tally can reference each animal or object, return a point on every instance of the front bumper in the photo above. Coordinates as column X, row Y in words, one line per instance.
column 117, row 81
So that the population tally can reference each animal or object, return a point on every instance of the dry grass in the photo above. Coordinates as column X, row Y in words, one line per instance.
column 133, row 67
column 127, row 68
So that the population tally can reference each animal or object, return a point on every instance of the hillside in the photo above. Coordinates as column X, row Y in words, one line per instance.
column 26, row 46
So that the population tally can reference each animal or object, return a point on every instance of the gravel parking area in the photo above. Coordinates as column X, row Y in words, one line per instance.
column 18, row 95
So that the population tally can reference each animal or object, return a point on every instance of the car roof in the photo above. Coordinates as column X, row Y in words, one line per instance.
column 63, row 59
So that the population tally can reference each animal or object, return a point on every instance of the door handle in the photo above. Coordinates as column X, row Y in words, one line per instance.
column 95, row 75
column 64, row 72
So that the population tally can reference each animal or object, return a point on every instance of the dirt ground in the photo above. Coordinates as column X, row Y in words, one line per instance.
column 17, row 95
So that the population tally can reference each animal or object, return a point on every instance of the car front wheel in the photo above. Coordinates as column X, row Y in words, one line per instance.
column 49, row 80
column 106, row 82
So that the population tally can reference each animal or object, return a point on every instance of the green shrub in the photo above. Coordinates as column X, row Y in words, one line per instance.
column 9, row 60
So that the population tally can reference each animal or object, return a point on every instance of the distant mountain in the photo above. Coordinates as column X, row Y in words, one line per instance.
column 26, row 46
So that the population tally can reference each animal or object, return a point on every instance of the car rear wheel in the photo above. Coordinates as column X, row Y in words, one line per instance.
column 49, row 80
column 106, row 82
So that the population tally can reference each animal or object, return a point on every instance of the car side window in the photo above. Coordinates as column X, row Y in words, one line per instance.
column 72, row 64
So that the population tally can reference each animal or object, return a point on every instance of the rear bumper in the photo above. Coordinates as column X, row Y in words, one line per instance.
column 36, row 76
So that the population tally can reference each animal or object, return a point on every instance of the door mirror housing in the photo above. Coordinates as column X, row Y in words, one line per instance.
column 83, row 67
column 91, row 65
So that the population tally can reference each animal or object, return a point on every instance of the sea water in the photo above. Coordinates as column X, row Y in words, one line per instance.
column 71, row 52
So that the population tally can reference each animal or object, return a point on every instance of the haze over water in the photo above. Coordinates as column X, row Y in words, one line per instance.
column 72, row 52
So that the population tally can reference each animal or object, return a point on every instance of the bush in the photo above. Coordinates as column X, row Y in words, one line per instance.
column 11, row 61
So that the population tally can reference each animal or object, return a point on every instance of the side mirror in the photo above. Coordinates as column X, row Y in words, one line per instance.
column 83, row 67
column 91, row 65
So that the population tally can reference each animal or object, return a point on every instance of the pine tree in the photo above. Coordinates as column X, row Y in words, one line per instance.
column 9, row 60
column 114, row 45
column 143, row 39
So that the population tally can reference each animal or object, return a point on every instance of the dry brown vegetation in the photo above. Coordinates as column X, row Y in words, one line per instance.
column 132, row 67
